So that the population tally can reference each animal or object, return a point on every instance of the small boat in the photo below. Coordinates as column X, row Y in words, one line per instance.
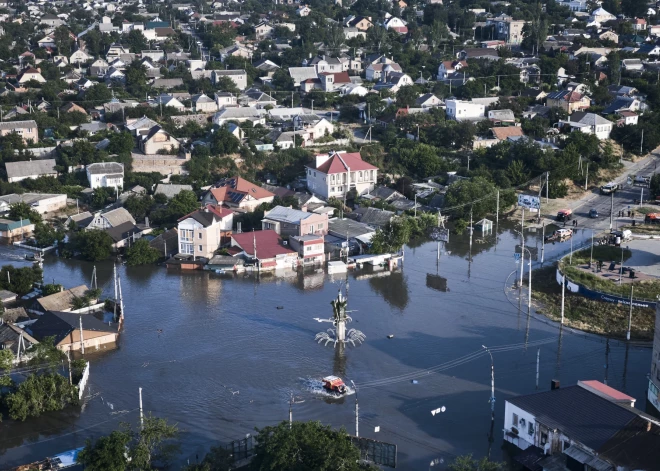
column 334, row 384
column 34, row 257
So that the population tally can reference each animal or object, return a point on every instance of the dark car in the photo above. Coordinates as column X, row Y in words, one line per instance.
column 593, row 213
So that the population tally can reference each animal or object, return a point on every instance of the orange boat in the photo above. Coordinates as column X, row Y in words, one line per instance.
column 334, row 384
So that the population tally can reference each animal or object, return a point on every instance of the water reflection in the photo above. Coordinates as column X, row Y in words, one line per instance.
column 393, row 287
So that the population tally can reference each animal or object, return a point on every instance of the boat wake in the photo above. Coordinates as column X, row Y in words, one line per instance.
column 315, row 386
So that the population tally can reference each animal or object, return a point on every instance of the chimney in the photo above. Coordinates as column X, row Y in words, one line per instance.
column 554, row 384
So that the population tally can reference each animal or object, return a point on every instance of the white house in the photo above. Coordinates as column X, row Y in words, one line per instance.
column 329, row 175
column 105, row 175
column 447, row 68
column 239, row 77
column 589, row 123
column 201, row 232
column 303, row 11
column 460, row 110
column 600, row 15
column 204, row 104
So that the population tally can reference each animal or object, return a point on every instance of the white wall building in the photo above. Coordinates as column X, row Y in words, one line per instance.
column 105, row 175
column 329, row 176
column 460, row 110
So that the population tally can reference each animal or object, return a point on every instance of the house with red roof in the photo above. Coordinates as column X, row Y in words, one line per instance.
column 336, row 173
column 203, row 231
column 238, row 194
column 265, row 249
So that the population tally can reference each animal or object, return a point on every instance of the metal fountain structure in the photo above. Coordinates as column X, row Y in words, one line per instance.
column 339, row 334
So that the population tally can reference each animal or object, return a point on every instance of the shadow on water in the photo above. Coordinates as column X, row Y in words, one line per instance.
column 393, row 289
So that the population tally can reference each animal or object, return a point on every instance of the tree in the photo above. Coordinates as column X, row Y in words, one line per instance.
column 406, row 96
column 21, row 210
column 94, row 245
column 282, row 80
column 140, row 253
column 22, row 279
column 634, row 8
column 223, row 142
column 63, row 40
column 46, row 235
column 107, row 453
column 6, row 362
column 97, row 94
column 185, row 202
column 40, row 393
column 136, row 41
column 127, row 449
column 304, row 446
column 139, row 206
column 226, row 84
column 467, row 463
column 377, row 37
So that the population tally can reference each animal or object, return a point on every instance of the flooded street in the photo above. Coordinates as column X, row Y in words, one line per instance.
column 228, row 360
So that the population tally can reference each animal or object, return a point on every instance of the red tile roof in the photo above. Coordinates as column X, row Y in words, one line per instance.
column 268, row 243
column 352, row 159
column 507, row 131
column 239, row 185
column 607, row 390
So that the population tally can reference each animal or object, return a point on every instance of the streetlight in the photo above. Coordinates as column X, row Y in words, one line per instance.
column 357, row 416
column 492, row 384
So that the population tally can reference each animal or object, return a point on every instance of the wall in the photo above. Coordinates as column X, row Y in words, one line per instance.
column 51, row 204
column 654, row 377
column 91, row 339
column 509, row 410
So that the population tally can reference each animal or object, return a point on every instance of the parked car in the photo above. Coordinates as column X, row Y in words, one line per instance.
column 593, row 213
column 564, row 215
column 609, row 188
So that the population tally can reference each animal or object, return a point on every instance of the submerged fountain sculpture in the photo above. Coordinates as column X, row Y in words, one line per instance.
column 338, row 334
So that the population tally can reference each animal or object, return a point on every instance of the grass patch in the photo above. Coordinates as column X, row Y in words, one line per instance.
column 586, row 314
column 646, row 229
column 647, row 209
column 646, row 289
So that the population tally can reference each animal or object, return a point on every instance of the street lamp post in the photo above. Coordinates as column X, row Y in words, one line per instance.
column 492, row 384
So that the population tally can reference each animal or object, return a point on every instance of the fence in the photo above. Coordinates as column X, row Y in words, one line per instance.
column 83, row 382
column 582, row 290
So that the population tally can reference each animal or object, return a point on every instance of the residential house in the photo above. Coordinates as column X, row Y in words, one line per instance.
column 237, row 193
column 225, row 99
column 380, row 70
column 394, row 81
column 329, row 175
column 501, row 116
column 507, row 29
column 600, row 15
column 99, row 68
column 167, row 84
column 460, row 110
column 105, row 175
column 239, row 77
column 589, row 123
column 586, row 426
column 255, row 115
column 624, row 103
column 81, row 220
column 40, row 202
column 507, row 133
column 170, row 190
column 303, row 11
column 310, row 248
column 65, row 328
column 140, row 126
column 204, row 104
column 202, row 232
column 49, row 19
column 16, row 340
column 395, row 24
column 639, row 24
column 627, row 118
column 109, row 219
column 263, row 31
column 17, row 171
column 28, row 130
column 157, row 141
column 362, row 23
column 265, row 249
column 236, row 50
column 374, row 217
column 294, row 222
column 449, row 67
column 168, row 100
column 609, row 36
column 568, row 101
column 12, row 231
column 31, row 74
column 478, row 53
column 315, row 125
column 300, row 74
column 632, row 65
column 61, row 301
column 256, row 98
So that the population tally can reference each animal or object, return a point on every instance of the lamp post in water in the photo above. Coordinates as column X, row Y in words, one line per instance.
column 492, row 384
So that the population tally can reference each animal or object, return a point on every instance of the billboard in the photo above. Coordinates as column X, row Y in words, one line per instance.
column 529, row 202
column 378, row 452
column 440, row 234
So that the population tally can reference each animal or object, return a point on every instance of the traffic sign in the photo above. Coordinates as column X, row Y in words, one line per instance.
column 516, row 256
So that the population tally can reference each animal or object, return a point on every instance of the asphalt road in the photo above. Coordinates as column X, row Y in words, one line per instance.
column 627, row 197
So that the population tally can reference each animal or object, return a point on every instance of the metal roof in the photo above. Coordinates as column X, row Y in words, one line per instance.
column 105, row 168
column 288, row 215
column 30, row 167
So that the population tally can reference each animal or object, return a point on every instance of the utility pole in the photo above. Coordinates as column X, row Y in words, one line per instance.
column 82, row 341
column 415, row 205
column 641, row 197
column 591, row 257
column 357, row 411
column 492, row 385
column 547, row 177
column 522, row 251
column 538, row 362
column 611, row 209
column 497, row 209
column 641, row 144
column 630, row 315
column 291, row 412
column 543, row 243
column 529, row 288
column 141, row 414
column 586, row 178
column 68, row 357
column 563, row 289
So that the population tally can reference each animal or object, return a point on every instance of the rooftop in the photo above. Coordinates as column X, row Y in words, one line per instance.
column 268, row 244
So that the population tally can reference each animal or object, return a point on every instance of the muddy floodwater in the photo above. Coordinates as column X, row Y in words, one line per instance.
column 215, row 355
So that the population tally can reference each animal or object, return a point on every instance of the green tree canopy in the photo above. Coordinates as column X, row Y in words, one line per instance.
column 21, row 210
column 306, row 446
column 93, row 245
column 140, row 253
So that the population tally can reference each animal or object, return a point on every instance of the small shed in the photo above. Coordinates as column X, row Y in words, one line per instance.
column 484, row 225
column 7, row 297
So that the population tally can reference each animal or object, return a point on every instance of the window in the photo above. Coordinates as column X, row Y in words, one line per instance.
column 332, row 189
column 320, row 226
column 544, row 438
column 199, row 235
column 200, row 248
column 530, row 428
column 514, row 422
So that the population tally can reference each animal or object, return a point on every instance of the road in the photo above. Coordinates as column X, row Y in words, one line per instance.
column 627, row 197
